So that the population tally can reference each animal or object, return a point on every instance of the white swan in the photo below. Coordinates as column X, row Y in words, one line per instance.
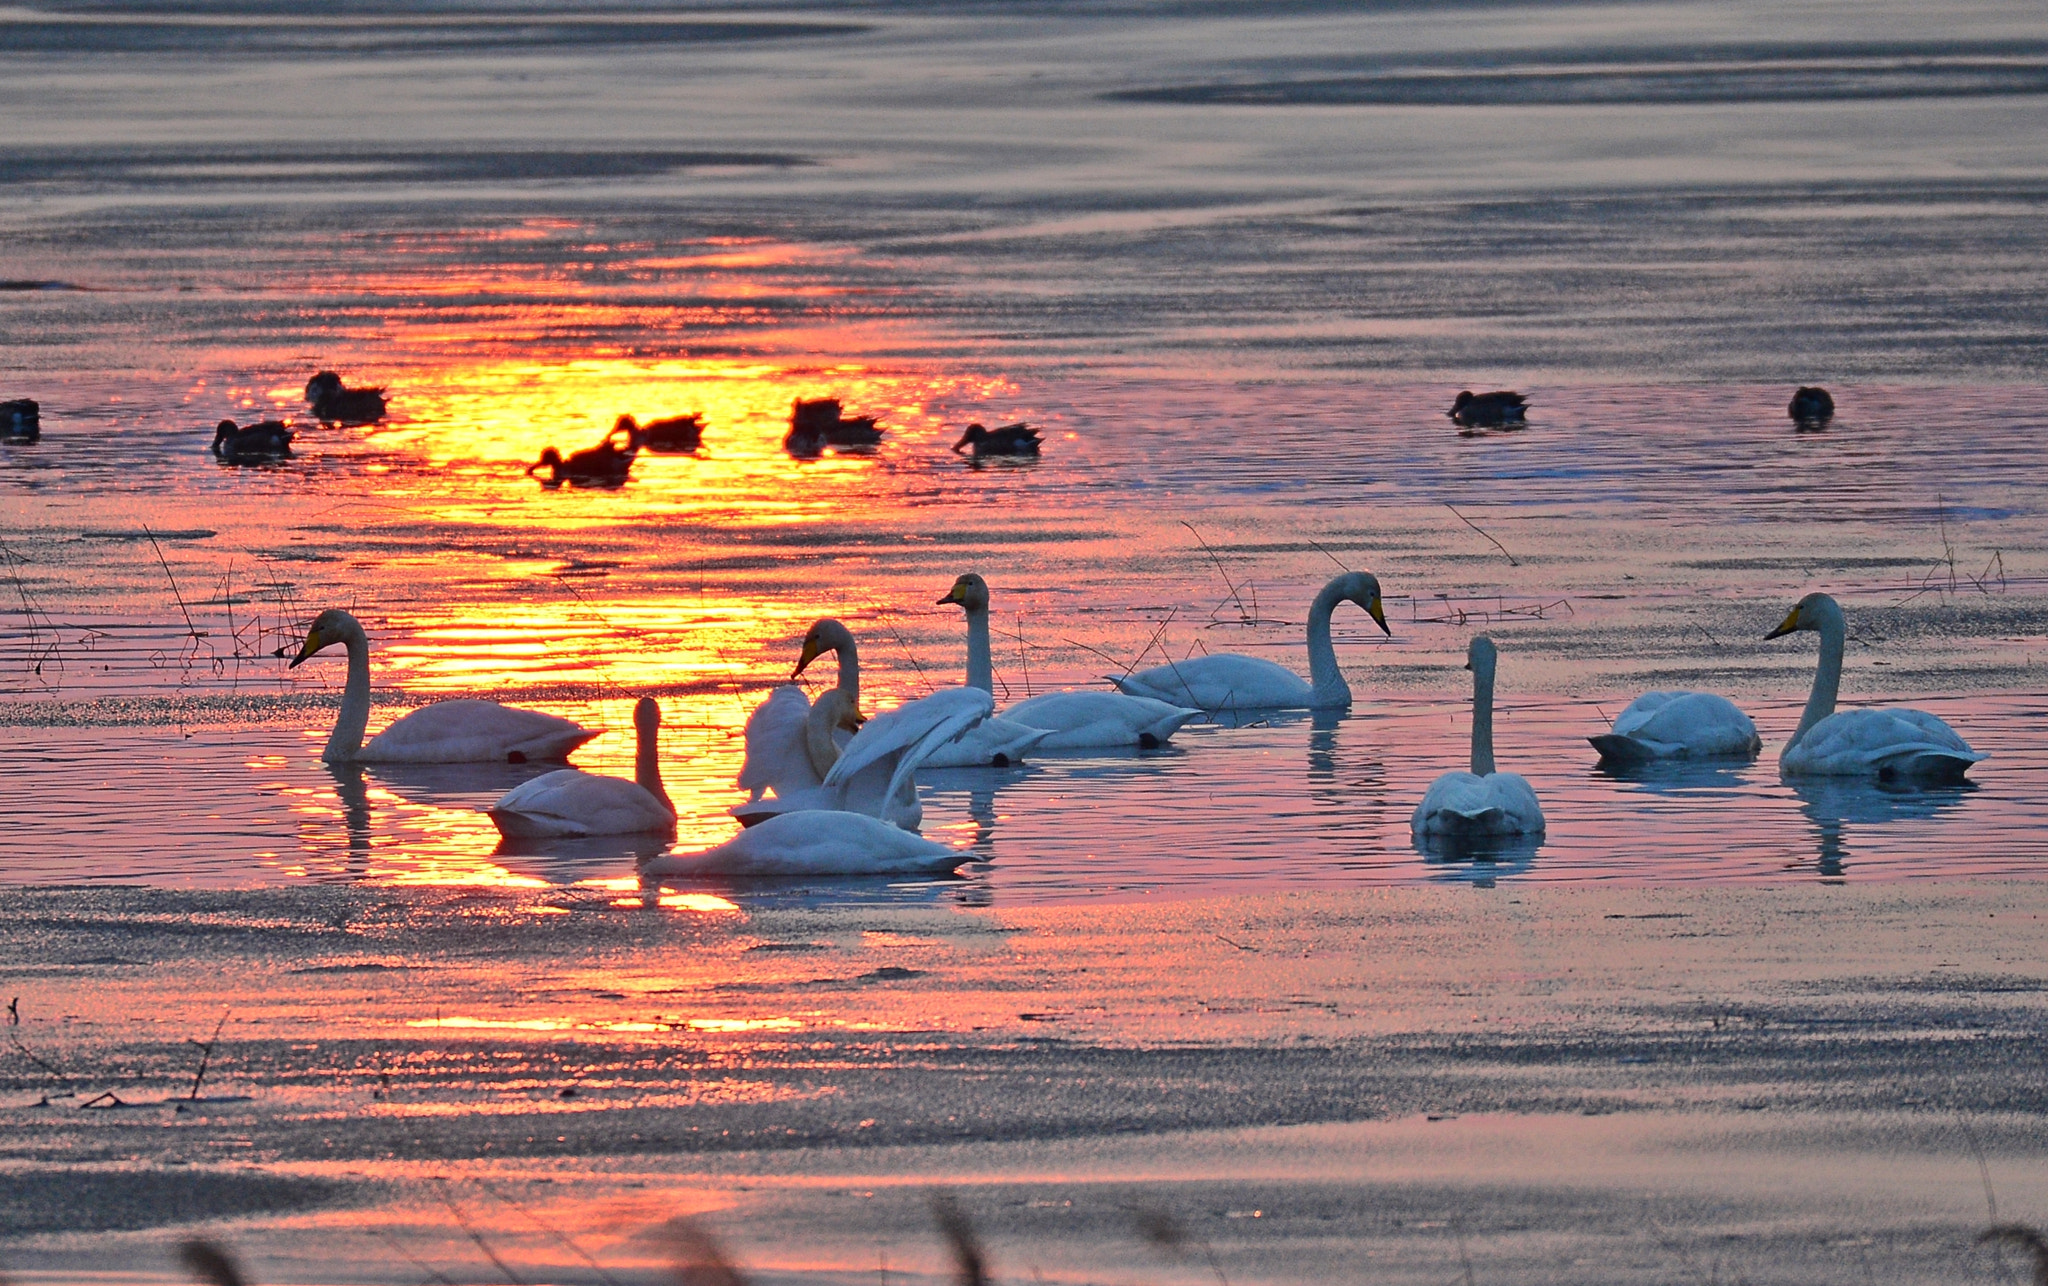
column 446, row 732
column 1480, row 804
column 571, row 803
column 1069, row 720
column 816, row 842
column 1889, row 745
column 1232, row 681
column 1677, row 725
column 999, row 740
column 876, row 773
column 779, row 756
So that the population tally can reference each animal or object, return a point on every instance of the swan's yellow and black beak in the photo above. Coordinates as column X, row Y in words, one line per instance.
column 1786, row 626
column 1379, row 615
column 851, row 720
column 957, row 594
column 808, row 655
column 315, row 640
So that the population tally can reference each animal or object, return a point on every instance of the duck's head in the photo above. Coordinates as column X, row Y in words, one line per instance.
column 975, row 433
column 1362, row 588
column 330, row 627
column 824, row 636
column 225, row 430
column 1810, row 612
column 325, row 384
column 970, row 592
column 549, row 459
column 1463, row 400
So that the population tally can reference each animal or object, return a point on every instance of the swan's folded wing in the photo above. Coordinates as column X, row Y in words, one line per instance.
column 570, row 802
column 775, row 744
column 465, row 730
column 924, row 723
column 1909, row 741
column 981, row 745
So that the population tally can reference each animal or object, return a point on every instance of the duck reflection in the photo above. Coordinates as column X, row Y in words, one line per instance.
column 1833, row 803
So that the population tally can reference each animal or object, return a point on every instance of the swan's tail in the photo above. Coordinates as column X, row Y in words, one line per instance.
column 1617, row 750
column 1470, row 822
column 1927, row 765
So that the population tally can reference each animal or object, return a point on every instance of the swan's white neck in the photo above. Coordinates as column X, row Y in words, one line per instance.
column 849, row 666
column 981, row 670
column 1833, row 629
column 1323, row 675
column 647, row 764
column 346, row 740
column 1482, row 720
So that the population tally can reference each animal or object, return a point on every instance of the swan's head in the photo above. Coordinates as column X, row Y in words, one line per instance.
column 824, row 636
column 1362, row 588
column 330, row 627
column 646, row 716
column 1481, row 656
column 975, row 433
column 325, row 384
column 1811, row 612
column 970, row 592
column 835, row 709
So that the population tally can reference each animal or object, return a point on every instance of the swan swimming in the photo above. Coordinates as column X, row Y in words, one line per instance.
column 446, row 732
column 570, row 803
column 1068, row 720
column 1677, row 725
column 876, row 773
column 1482, row 803
column 1885, row 744
column 1232, row 681
column 813, row 843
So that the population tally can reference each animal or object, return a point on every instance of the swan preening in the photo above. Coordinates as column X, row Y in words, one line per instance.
column 1892, row 745
column 1482, row 803
column 1677, row 725
column 876, row 772
column 570, row 803
column 446, row 732
column 1231, row 681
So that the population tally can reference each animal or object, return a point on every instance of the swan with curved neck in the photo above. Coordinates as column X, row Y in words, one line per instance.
column 1067, row 720
column 782, row 753
column 876, row 772
column 1481, row 803
column 570, row 803
column 1232, row 681
column 1888, row 744
column 446, row 732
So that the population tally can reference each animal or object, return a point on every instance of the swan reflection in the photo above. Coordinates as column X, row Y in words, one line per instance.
column 1833, row 803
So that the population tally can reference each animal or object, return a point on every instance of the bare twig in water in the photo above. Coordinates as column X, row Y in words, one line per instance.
column 462, row 1222
column 1332, row 557
column 210, row 1264
column 1983, row 1171
column 191, row 630
column 969, row 1261
column 567, row 1242
column 206, row 1053
column 1512, row 561
column 1246, row 617
column 13, row 1038
column 699, row 1259
column 1023, row 659
column 2023, row 1238
column 924, row 678
column 1165, row 1232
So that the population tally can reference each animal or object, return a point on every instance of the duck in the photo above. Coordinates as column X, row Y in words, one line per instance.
column 570, row 803
column 1677, row 725
column 1482, row 803
column 817, row 842
column 779, row 754
column 21, row 420
column 817, row 423
column 1011, row 439
column 876, row 772
column 335, row 403
column 447, row 732
column 1233, row 681
column 1061, row 720
column 270, row 440
column 604, row 465
column 1488, row 410
column 1887, row 745
column 676, row 433
column 1811, row 405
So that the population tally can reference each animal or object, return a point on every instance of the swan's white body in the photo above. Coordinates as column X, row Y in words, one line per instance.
column 1678, row 725
column 996, row 742
column 816, row 842
column 1233, row 681
column 571, row 803
column 1090, row 720
column 876, row 774
column 1482, row 803
column 446, row 732
column 1888, row 745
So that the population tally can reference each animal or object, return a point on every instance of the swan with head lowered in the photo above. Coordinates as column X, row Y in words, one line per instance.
column 446, row 732
column 1066, row 720
column 570, row 803
column 1233, row 681
column 1887, row 745
column 1482, row 803
column 816, row 842
column 1677, row 725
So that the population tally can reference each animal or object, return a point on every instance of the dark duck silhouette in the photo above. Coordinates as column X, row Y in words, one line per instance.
column 817, row 424
column 334, row 403
column 677, row 433
column 604, row 465
column 1488, row 410
column 1011, row 439
column 1811, row 406
column 270, row 440
column 21, row 420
